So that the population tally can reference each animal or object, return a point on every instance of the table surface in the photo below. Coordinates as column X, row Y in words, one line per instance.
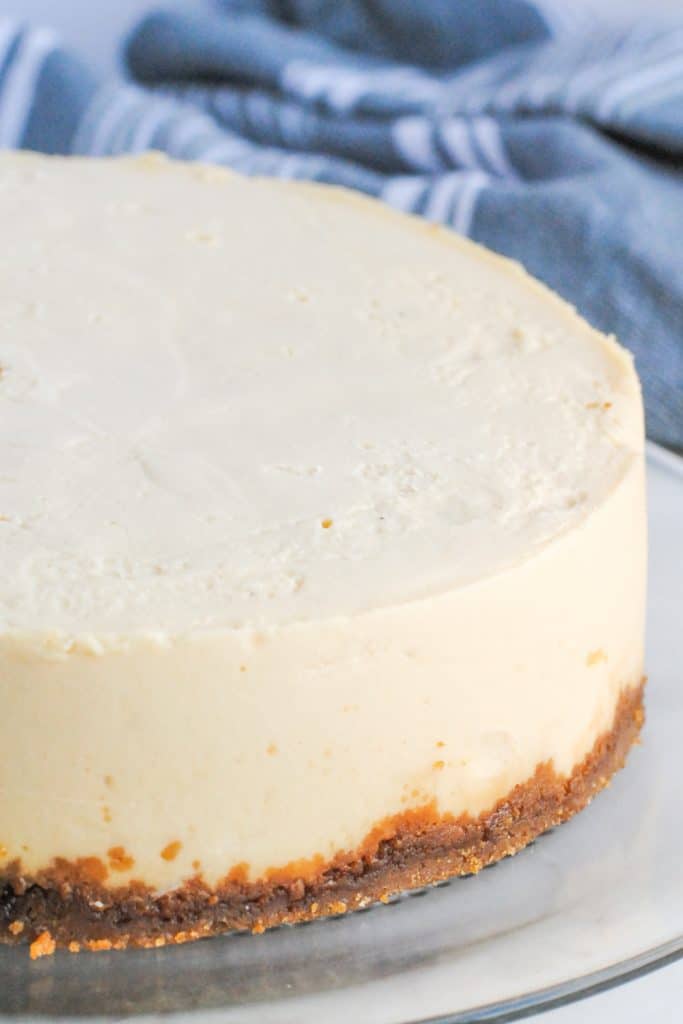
column 95, row 29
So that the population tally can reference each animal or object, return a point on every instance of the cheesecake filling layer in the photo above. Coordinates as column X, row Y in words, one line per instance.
column 262, row 748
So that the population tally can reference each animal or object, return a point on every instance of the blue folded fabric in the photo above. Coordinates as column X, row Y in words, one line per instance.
column 533, row 126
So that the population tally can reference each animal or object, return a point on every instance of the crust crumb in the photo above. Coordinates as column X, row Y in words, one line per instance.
column 438, row 765
column 119, row 860
column 90, row 868
column 44, row 945
column 171, row 851
column 595, row 657
column 74, row 947
column 180, row 937
column 16, row 927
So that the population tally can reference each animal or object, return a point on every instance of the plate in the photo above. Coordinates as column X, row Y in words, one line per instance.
column 588, row 905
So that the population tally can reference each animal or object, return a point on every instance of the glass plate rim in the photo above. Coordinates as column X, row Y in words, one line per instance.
column 566, row 992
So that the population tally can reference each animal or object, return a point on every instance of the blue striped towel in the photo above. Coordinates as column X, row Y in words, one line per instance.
column 534, row 126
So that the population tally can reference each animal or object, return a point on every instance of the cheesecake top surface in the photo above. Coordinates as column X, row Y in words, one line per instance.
column 243, row 403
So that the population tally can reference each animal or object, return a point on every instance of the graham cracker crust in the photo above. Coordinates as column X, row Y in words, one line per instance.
column 68, row 906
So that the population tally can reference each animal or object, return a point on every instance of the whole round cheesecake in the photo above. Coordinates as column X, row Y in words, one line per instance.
column 322, row 554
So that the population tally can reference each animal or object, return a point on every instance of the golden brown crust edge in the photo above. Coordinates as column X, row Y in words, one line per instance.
column 66, row 906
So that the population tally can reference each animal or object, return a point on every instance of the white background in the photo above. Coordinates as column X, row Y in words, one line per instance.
column 95, row 28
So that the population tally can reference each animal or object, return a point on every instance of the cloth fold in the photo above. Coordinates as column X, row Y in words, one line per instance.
column 548, row 133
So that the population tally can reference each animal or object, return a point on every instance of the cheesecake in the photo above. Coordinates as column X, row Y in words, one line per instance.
column 322, row 554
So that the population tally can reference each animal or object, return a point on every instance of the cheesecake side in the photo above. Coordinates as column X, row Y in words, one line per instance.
column 67, row 906
column 261, row 666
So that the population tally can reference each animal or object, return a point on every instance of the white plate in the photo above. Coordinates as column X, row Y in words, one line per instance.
column 590, row 904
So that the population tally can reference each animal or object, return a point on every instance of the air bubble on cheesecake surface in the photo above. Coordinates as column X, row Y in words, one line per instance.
column 204, row 237
column 299, row 295
column 294, row 469
column 576, row 499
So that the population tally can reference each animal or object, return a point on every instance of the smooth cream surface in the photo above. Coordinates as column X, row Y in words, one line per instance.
column 200, row 371
column 309, row 513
